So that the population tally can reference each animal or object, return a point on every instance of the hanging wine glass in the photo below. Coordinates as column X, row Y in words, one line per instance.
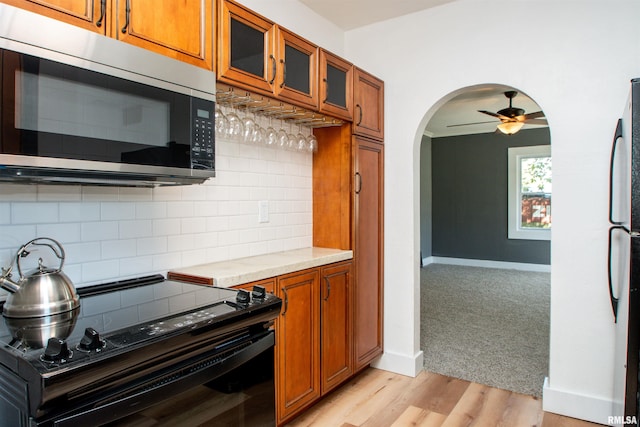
column 236, row 128
column 249, row 126
column 271, row 137
column 283, row 137
column 312, row 143
column 300, row 140
column 221, row 123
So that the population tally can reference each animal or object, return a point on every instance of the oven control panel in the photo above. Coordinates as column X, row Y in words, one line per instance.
column 92, row 345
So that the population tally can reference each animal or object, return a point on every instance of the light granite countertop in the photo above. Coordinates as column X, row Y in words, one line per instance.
column 244, row 270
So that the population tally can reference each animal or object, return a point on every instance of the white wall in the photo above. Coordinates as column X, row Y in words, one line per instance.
column 575, row 59
column 114, row 233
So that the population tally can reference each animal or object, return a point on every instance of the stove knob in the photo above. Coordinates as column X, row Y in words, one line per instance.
column 91, row 340
column 56, row 350
column 243, row 296
column 259, row 292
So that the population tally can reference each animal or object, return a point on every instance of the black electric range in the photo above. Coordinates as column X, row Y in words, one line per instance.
column 128, row 345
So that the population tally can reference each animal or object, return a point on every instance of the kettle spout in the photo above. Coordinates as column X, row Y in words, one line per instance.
column 6, row 283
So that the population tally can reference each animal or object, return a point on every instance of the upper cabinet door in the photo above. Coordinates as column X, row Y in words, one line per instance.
column 368, row 112
column 181, row 30
column 336, row 86
column 297, row 75
column 245, row 54
column 88, row 14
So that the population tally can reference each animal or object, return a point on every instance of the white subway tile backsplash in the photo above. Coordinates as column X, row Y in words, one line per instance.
column 193, row 225
column 181, row 209
column 151, row 210
column 78, row 253
column 63, row 233
column 79, row 212
column 19, row 192
column 100, row 271
column 5, row 213
column 99, row 230
column 111, row 233
column 135, row 229
column 166, row 226
column 100, row 194
column 152, row 245
column 57, row 193
column 133, row 266
column 34, row 213
column 135, row 194
column 117, row 211
column 114, row 249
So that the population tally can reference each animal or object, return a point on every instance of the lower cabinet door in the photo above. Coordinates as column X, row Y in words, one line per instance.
column 336, row 330
column 297, row 343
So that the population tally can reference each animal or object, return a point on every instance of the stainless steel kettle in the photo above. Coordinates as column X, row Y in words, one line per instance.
column 43, row 291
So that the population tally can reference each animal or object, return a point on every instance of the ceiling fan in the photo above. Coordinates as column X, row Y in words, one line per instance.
column 512, row 119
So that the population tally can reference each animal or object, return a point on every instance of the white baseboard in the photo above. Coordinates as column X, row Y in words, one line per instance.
column 544, row 268
column 574, row 405
column 400, row 363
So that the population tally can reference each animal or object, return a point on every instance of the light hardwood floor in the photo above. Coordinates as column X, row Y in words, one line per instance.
column 377, row 398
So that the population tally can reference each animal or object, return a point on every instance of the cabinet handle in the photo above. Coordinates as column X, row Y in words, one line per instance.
column 326, row 91
column 273, row 69
column 286, row 300
column 359, row 119
column 128, row 12
column 326, row 279
column 103, row 10
column 284, row 73
column 359, row 182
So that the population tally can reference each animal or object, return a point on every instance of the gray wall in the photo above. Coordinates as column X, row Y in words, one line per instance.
column 425, row 197
column 469, row 201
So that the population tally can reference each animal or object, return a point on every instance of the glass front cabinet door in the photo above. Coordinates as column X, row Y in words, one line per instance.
column 258, row 55
column 336, row 86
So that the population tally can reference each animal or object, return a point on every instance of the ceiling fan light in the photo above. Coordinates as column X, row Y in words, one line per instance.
column 509, row 128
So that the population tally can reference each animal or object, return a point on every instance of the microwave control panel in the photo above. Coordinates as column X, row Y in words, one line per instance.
column 203, row 134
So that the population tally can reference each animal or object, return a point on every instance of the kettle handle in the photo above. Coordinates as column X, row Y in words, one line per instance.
column 23, row 252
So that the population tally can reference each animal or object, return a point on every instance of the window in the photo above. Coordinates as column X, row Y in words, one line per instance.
column 530, row 192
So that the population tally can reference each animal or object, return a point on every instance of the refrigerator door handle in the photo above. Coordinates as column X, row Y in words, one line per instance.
column 614, row 145
column 612, row 297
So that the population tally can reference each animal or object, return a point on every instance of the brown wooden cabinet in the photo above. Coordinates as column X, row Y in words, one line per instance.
column 336, row 325
column 258, row 55
column 349, row 185
column 368, row 113
column 368, row 249
column 181, row 30
column 336, row 86
column 297, row 343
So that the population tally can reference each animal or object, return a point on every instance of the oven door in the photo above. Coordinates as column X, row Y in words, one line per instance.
column 235, row 367
column 60, row 115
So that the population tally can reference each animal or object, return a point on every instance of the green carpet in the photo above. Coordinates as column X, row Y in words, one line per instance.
column 486, row 325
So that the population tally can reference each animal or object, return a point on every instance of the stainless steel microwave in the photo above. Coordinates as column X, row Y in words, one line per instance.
column 79, row 107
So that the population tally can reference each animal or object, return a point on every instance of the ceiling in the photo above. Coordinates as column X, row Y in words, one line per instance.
column 350, row 14
column 463, row 108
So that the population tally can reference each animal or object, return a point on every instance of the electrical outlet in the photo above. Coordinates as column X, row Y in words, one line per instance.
column 263, row 211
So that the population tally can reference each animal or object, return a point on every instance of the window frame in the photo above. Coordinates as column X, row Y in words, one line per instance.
column 515, row 229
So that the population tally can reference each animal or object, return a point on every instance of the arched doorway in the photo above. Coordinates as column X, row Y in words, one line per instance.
column 485, row 290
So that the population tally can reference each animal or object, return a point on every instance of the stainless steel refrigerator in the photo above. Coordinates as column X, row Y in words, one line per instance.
column 624, row 258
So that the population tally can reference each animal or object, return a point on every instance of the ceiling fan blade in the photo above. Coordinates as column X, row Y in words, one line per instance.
column 469, row 124
column 535, row 115
column 536, row 122
column 500, row 116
